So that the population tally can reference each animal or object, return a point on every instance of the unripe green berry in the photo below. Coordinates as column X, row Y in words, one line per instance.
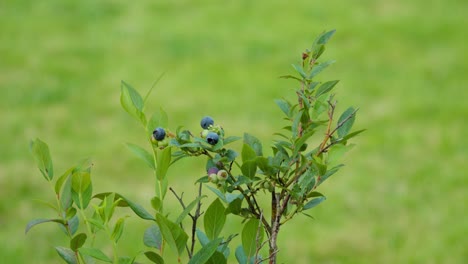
column 213, row 178
column 222, row 175
column 163, row 143
column 204, row 133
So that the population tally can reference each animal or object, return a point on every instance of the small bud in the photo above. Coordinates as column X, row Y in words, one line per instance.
column 305, row 55
column 163, row 143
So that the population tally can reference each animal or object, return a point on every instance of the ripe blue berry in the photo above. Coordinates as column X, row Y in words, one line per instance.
column 212, row 138
column 159, row 133
column 206, row 122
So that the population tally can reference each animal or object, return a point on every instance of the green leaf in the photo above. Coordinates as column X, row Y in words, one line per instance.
column 230, row 139
column 118, row 229
column 156, row 203
column 132, row 102
column 299, row 70
column 248, row 153
column 249, row 169
column 154, row 257
column 329, row 173
column 353, row 134
column 326, row 87
column 252, row 233
column 47, row 204
column 109, row 206
column 300, row 141
column 66, row 254
column 78, row 241
column 66, row 199
column 142, row 154
column 205, row 252
column 290, row 77
column 295, row 124
column 336, row 152
column 126, row 260
column 217, row 258
column 172, row 233
column 346, row 121
column 35, row 222
column 283, row 105
column 202, row 237
column 153, row 237
column 81, row 180
column 73, row 224
column 218, row 193
column 324, row 37
column 82, row 199
column 61, row 180
column 214, row 219
column 314, row 202
column 138, row 209
column 188, row 208
column 307, row 182
column 234, row 206
column 240, row 255
column 254, row 143
column 41, row 154
column 319, row 68
column 95, row 253
column 164, row 161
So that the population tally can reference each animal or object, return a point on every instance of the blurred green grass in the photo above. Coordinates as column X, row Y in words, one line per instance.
column 400, row 199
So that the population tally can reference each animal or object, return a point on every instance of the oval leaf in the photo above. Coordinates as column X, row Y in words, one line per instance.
column 41, row 154
column 66, row 254
column 314, row 202
column 154, row 257
column 78, row 241
column 346, row 121
column 164, row 161
column 95, row 253
column 214, row 219
column 142, row 154
column 132, row 102
column 153, row 237
column 252, row 237
column 40, row 221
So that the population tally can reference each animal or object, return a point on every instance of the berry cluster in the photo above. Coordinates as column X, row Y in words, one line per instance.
column 217, row 176
column 210, row 132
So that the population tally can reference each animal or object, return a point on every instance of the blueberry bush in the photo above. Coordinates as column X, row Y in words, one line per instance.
column 306, row 153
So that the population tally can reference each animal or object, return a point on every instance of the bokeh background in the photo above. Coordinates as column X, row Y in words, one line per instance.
column 402, row 198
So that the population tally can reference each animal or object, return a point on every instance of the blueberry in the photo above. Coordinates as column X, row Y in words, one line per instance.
column 206, row 122
column 213, row 170
column 212, row 138
column 159, row 133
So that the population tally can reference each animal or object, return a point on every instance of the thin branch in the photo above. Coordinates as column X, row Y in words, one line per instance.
column 194, row 220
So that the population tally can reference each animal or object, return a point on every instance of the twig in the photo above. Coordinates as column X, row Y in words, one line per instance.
column 195, row 219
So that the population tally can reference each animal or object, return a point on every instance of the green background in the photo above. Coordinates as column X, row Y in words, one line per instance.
column 400, row 199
